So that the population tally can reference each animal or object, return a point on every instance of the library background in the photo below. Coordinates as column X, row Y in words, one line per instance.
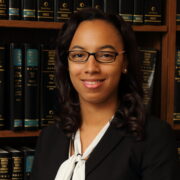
column 28, row 29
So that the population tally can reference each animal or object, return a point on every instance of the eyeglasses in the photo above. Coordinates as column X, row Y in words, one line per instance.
column 100, row 56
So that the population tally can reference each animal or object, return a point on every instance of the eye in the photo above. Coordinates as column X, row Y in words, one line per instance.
column 77, row 55
column 105, row 54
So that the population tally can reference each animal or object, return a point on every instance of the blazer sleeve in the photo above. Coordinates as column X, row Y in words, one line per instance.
column 160, row 160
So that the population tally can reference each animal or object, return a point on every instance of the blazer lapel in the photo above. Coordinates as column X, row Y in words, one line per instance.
column 111, row 138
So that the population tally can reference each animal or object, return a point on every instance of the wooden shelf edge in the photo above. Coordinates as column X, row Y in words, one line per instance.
column 149, row 28
column 9, row 133
column 178, row 28
column 176, row 127
column 30, row 24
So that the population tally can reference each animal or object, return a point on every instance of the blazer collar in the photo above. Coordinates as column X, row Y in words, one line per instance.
column 110, row 139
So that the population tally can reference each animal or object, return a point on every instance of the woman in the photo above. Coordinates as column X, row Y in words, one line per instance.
column 102, row 132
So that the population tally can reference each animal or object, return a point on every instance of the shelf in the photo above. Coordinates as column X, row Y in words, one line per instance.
column 30, row 24
column 150, row 28
column 178, row 27
column 8, row 133
column 177, row 126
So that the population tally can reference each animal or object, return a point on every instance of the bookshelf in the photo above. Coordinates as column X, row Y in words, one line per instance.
column 162, row 37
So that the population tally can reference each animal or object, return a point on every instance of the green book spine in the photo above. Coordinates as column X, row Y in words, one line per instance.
column 31, row 94
column 148, row 66
column 178, row 13
column 138, row 12
column 63, row 10
column 80, row 4
column 176, row 113
column 5, row 167
column 45, row 10
column 98, row 4
column 28, row 10
column 16, row 105
column 4, row 9
column 126, row 10
column 48, row 87
column 2, row 85
column 14, row 9
column 153, row 12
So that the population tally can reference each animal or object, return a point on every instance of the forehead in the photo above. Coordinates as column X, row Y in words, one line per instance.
column 94, row 32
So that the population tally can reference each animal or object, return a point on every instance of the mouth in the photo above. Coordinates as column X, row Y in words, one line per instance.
column 92, row 84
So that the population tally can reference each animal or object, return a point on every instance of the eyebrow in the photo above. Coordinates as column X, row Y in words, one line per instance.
column 100, row 48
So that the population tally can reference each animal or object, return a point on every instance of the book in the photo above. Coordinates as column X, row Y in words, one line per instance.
column 111, row 7
column 14, row 9
column 28, row 154
column 5, row 165
column 48, row 99
column 98, row 4
column 176, row 113
column 16, row 163
column 45, row 10
column 2, row 84
column 16, row 87
column 62, row 10
column 31, row 87
column 178, row 12
column 148, row 67
column 153, row 12
column 138, row 12
column 126, row 10
column 80, row 4
column 28, row 10
column 4, row 9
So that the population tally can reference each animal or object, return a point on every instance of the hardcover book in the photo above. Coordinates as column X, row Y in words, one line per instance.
column 138, row 12
column 98, row 4
column 80, row 4
column 16, row 86
column 48, row 99
column 45, row 10
column 153, row 12
column 126, row 10
column 176, row 113
column 2, row 85
column 63, row 10
column 178, row 13
column 28, row 10
column 31, row 94
column 112, row 7
column 4, row 9
column 14, row 9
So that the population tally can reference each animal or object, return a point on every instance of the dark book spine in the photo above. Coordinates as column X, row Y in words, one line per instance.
column 45, row 10
column 153, row 12
column 148, row 66
column 28, row 10
column 48, row 87
column 178, row 13
column 5, row 169
column 4, row 9
column 138, row 12
column 176, row 113
column 31, row 94
column 2, row 85
column 98, row 4
column 62, row 10
column 16, row 110
column 80, row 4
column 126, row 10
column 14, row 9
column 111, row 7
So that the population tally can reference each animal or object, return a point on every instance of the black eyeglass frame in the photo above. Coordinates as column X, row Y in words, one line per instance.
column 94, row 54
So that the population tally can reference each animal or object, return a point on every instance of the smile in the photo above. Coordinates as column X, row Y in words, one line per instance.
column 92, row 84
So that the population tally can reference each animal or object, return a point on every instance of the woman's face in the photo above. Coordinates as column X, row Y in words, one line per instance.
column 97, row 82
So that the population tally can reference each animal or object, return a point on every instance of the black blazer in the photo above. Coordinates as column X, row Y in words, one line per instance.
column 117, row 156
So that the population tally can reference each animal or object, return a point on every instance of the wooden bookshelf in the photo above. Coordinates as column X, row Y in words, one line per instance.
column 178, row 28
column 149, row 28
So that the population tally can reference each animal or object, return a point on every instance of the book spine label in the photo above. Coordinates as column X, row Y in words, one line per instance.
column 2, row 86
column 80, row 4
column 45, row 10
column 153, row 12
column 138, row 12
column 28, row 160
column 14, row 9
column 48, row 87
column 176, row 114
column 178, row 13
column 31, row 88
column 28, row 10
column 17, row 167
column 63, row 9
column 4, row 9
column 98, row 4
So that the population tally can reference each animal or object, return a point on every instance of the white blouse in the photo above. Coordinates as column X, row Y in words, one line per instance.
column 74, row 167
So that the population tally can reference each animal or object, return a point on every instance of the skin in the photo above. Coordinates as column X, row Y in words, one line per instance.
column 96, row 83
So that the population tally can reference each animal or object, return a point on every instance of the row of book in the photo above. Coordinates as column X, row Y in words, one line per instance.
column 27, row 86
column 133, row 11
column 16, row 163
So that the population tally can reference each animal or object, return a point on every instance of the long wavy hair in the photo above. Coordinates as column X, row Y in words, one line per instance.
column 130, row 114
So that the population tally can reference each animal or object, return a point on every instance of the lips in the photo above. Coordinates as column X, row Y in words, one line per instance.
column 92, row 84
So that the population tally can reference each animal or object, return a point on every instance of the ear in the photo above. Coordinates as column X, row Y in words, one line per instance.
column 125, row 65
